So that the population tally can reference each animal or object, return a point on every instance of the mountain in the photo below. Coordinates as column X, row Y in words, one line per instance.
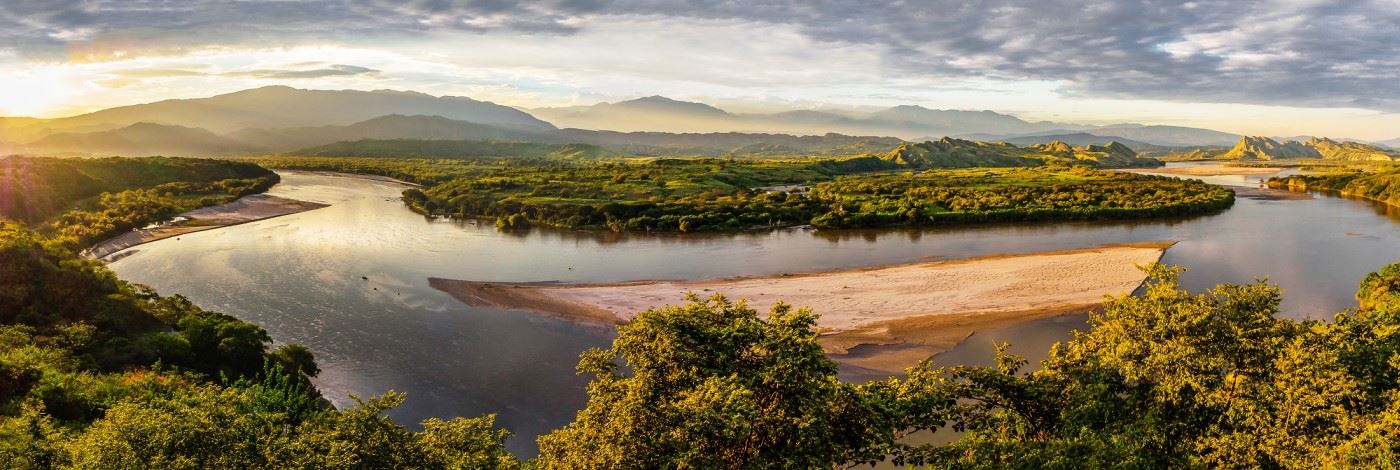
column 280, row 106
column 652, row 113
column 419, row 148
column 1077, row 138
column 140, row 139
column 1130, row 134
column 951, row 152
column 1344, row 150
column 1264, row 148
column 660, row 114
column 394, row 126
column 1170, row 136
column 1392, row 143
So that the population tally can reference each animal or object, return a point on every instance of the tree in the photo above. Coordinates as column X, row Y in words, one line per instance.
column 710, row 384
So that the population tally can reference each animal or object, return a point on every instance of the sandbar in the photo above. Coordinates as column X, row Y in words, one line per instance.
column 920, row 309
column 246, row 209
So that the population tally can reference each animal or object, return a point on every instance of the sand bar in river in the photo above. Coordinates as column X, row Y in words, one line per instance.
column 913, row 310
column 246, row 209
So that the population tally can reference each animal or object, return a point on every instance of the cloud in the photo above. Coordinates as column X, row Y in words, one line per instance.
column 1295, row 52
column 331, row 71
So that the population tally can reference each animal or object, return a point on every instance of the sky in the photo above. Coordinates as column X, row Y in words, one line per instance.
column 1280, row 67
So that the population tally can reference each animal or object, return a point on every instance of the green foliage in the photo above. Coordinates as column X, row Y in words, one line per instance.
column 99, row 373
column 1382, row 186
column 691, row 195
column 33, row 190
column 710, row 384
column 997, row 195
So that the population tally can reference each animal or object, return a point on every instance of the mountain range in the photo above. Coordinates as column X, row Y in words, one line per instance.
column 278, row 119
column 1264, row 148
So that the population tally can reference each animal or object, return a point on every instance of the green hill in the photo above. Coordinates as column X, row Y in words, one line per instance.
column 35, row 189
column 949, row 152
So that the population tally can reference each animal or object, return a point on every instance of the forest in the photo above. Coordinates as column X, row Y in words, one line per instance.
column 82, row 201
column 1382, row 185
column 693, row 195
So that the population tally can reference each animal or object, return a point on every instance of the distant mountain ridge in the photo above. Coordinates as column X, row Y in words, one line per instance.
column 1131, row 135
column 661, row 114
column 278, row 107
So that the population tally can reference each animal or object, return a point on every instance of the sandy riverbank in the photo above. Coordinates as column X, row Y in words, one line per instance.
column 246, row 209
column 897, row 315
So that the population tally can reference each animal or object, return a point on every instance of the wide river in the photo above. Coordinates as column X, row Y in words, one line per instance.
column 350, row 282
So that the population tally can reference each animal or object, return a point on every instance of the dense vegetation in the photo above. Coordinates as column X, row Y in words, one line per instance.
column 1383, row 186
column 714, row 194
column 82, row 201
column 99, row 373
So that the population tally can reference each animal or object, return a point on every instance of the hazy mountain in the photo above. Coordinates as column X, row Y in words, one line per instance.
column 1077, row 138
column 280, row 106
column 393, row 126
column 140, row 139
column 420, row 148
column 660, row 114
column 652, row 113
column 1163, row 136
column 1392, row 143
column 1264, row 148
column 1171, row 136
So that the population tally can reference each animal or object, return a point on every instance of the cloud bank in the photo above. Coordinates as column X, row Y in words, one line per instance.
column 1279, row 52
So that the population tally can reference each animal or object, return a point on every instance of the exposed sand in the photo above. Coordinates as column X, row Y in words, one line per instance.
column 245, row 209
column 1212, row 170
column 916, row 310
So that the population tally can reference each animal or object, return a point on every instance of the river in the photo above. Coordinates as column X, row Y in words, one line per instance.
column 350, row 282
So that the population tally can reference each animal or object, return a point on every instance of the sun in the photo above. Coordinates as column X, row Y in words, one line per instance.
column 35, row 92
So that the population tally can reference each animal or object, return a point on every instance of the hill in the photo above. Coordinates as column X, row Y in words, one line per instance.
column 1132, row 135
column 1077, row 138
column 1264, row 148
column 280, row 106
column 661, row 114
column 417, row 148
column 1353, row 151
column 1170, row 136
column 140, row 139
column 949, row 152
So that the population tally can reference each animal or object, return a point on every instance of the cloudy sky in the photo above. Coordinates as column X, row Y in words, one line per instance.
column 1281, row 67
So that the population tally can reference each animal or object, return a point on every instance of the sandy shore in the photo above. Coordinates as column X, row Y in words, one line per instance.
column 915, row 310
column 246, row 209
column 1212, row 170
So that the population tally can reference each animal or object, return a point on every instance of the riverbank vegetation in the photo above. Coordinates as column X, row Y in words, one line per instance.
column 1382, row 186
column 689, row 195
column 82, row 201
column 99, row 373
